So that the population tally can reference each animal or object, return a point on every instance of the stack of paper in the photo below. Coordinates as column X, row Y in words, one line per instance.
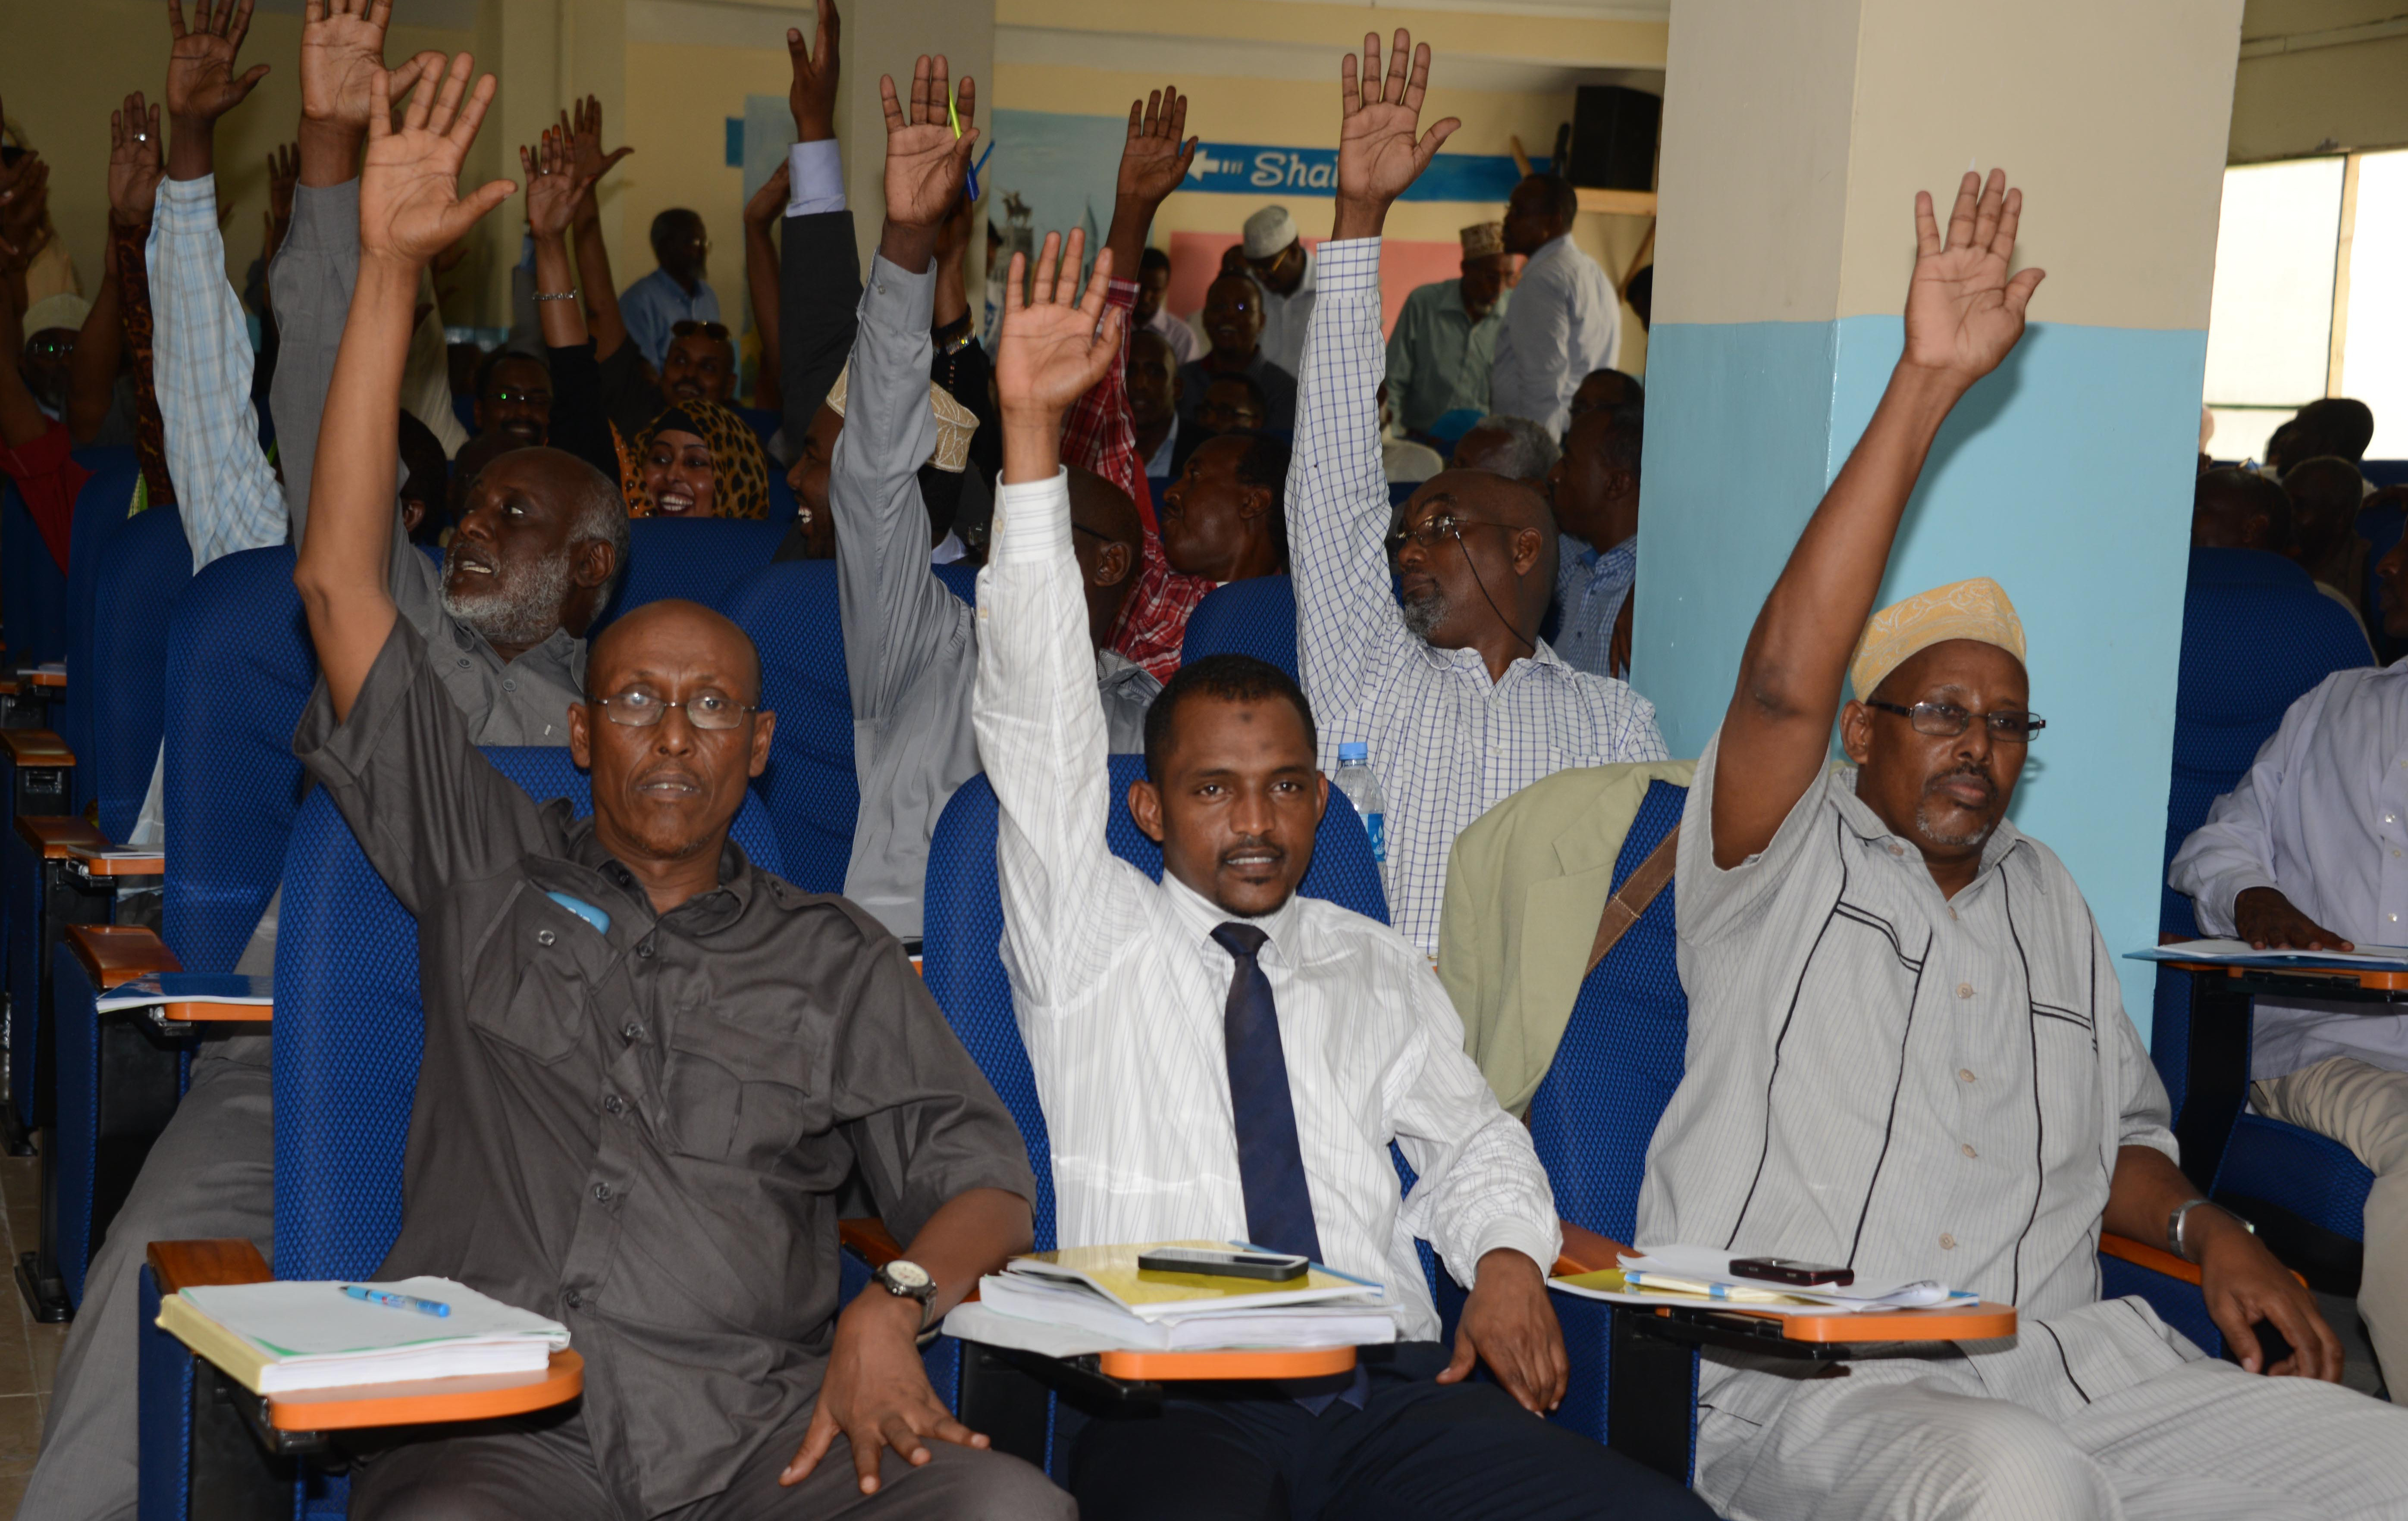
column 275, row 1337
column 188, row 988
column 2241, row 953
column 1702, row 1276
column 1094, row 1299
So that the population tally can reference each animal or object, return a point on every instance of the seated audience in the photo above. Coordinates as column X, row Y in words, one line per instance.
column 675, row 292
column 1283, row 266
column 911, row 645
column 1565, row 319
column 1224, row 518
column 1602, row 389
column 1445, row 344
column 1153, row 284
column 1907, row 1052
column 1152, row 378
column 700, row 1283
column 2326, row 493
column 514, row 396
column 700, row 366
column 1594, row 489
column 1516, row 448
column 2240, row 509
column 1460, row 670
column 2298, row 855
column 1233, row 320
column 1139, row 1001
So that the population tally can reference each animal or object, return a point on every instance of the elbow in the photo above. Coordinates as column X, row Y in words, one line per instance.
column 318, row 588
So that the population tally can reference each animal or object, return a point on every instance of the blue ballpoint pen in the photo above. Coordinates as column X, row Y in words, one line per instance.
column 397, row 1301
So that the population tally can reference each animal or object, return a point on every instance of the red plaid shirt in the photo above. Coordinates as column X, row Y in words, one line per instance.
column 1098, row 435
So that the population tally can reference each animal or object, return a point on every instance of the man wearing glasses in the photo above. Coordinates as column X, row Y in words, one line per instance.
column 1908, row 1054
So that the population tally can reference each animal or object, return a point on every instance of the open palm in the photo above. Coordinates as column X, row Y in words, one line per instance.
column 554, row 191
column 1154, row 161
column 1054, row 347
column 926, row 165
column 410, row 207
column 342, row 49
column 201, row 82
column 1963, row 312
column 134, row 167
column 1378, row 155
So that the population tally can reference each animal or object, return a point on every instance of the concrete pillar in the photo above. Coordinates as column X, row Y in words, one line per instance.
column 886, row 37
column 1796, row 134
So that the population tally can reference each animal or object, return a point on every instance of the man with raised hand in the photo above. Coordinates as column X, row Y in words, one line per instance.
column 652, row 1155
column 1461, row 701
column 911, row 645
column 1908, row 1055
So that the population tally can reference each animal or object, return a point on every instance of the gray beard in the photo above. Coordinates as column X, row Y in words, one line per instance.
column 522, row 609
column 1424, row 613
column 1953, row 842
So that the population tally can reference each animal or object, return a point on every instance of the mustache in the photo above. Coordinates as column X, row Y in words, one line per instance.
column 1254, row 846
column 1969, row 771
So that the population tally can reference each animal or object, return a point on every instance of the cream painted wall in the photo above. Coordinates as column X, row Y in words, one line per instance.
column 65, row 64
column 678, row 100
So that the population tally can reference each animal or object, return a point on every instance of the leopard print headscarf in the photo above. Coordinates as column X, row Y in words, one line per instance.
column 739, row 471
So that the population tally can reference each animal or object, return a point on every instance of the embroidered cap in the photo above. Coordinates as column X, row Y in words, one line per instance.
column 1977, row 609
column 955, row 422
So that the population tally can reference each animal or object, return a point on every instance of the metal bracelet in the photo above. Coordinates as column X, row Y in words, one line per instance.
column 2182, row 1212
column 569, row 294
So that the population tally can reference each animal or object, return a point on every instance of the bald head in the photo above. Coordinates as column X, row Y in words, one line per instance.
column 646, row 637
column 1484, row 578
column 1103, row 510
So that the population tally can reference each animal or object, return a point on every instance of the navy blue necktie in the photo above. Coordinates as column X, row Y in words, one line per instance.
column 1270, row 1164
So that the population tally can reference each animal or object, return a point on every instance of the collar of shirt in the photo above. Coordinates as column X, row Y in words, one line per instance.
column 1468, row 660
column 1200, row 915
column 1547, row 253
column 562, row 654
column 703, row 914
column 1868, row 826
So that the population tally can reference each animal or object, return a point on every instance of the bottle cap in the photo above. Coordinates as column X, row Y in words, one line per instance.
column 1354, row 751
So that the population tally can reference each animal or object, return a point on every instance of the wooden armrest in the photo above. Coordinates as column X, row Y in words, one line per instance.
column 52, row 836
column 45, row 678
column 1979, row 1323
column 1272, row 1362
column 2154, row 1259
column 195, row 1011
column 430, row 1402
column 179, row 1265
column 870, row 1241
column 36, row 747
column 117, row 953
column 1585, row 1251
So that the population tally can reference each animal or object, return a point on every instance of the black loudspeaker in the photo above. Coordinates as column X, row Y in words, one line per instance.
column 1613, row 138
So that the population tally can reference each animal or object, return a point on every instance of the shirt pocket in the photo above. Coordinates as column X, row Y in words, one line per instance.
column 739, row 1092
column 540, row 952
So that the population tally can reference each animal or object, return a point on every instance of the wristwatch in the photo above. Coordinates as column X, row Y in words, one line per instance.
column 907, row 1280
column 2182, row 1212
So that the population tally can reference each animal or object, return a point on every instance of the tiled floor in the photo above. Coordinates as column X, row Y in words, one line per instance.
column 28, row 1352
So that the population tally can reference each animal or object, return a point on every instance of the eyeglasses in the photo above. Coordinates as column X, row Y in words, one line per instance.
column 523, row 398
column 1440, row 525
column 716, row 331
column 40, row 347
column 637, row 708
column 1947, row 720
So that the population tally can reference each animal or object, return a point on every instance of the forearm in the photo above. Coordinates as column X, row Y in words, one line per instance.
column 329, row 154
column 761, row 282
column 127, row 257
column 974, row 1234
column 310, row 285
column 191, row 148
column 911, row 250
column 2145, row 1192
column 602, row 314
column 91, row 381
column 562, row 323
column 953, row 290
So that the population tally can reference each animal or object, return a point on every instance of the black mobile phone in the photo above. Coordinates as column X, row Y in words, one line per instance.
column 1788, row 1270
column 1275, row 1267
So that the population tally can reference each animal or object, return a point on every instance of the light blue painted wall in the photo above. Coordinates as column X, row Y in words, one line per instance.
column 2066, row 476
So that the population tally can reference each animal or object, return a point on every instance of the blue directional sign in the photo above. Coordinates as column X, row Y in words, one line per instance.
column 1254, row 169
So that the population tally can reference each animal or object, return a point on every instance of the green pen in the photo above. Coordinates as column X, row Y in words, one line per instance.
column 950, row 114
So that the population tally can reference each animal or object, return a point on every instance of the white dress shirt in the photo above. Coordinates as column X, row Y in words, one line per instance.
column 1287, row 319
column 1121, row 994
column 814, row 178
column 2322, row 816
column 1565, row 320
column 1447, row 743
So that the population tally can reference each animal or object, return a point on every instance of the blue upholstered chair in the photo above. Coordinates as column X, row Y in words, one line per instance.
column 960, row 579
column 696, row 559
column 2256, row 637
column 1592, row 1118
column 349, row 1032
column 814, row 795
column 1253, row 617
column 34, row 594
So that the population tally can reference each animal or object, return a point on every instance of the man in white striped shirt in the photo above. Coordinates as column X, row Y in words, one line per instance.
column 1219, row 1059
column 1461, row 701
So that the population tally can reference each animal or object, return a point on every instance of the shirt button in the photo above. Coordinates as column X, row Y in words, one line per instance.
column 464, row 662
column 573, row 1300
column 602, row 1195
column 1964, row 989
column 1947, row 1242
column 509, row 684
column 545, row 937
column 645, row 951
column 614, row 1104
column 1898, row 850
column 1964, row 1075
column 634, row 1032
column 1968, row 1149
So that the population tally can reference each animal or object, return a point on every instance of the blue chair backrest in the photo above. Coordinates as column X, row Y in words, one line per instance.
column 350, row 1027
column 2384, row 472
column 962, row 929
column 143, row 569
column 239, row 672
column 1621, row 1055
column 1253, row 617
column 99, row 512
column 814, row 795
column 960, row 579
column 697, row 560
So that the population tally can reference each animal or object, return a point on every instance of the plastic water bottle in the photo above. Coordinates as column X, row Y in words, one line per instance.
column 1362, row 790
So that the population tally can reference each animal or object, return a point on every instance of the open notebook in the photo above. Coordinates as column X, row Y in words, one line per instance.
column 1090, row 1299
column 275, row 1337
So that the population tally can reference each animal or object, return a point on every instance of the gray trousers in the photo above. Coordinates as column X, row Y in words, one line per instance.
column 211, row 1174
column 547, row 1470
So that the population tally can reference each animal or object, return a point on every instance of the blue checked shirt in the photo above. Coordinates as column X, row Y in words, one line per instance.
column 201, row 363
column 1591, row 586
column 1446, row 742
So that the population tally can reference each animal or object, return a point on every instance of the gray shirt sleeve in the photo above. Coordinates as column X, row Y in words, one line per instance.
column 310, row 284
column 898, row 618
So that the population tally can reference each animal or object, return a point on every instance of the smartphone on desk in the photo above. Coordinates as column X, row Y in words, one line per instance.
column 1788, row 1270
column 1274, row 1267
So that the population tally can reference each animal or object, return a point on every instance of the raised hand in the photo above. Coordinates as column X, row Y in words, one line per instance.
column 1963, row 313
column 587, row 161
column 1378, row 155
column 553, row 189
column 1053, row 346
column 926, row 165
column 410, row 207
column 1154, row 162
column 134, row 166
column 812, row 95
column 769, row 202
column 202, row 85
column 342, row 49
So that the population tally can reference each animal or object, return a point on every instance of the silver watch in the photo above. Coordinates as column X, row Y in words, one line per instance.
column 907, row 1280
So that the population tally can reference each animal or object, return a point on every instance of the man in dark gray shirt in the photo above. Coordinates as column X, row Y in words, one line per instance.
column 648, row 1066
